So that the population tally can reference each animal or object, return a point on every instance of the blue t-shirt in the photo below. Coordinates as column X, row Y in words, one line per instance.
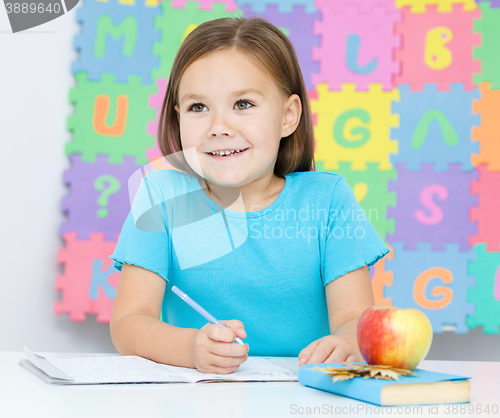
column 266, row 268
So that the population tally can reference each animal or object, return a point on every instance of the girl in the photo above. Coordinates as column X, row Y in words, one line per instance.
column 243, row 225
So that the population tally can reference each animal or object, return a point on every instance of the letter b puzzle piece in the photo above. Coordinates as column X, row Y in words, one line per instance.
column 439, row 281
column 487, row 212
column 114, row 39
column 432, row 207
column 89, row 281
column 354, row 126
column 357, row 44
column 486, row 294
column 438, row 48
column 110, row 119
column 435, row 127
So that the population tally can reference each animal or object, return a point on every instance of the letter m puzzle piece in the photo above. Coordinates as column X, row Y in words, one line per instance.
column 117, row 39
column 89, row 281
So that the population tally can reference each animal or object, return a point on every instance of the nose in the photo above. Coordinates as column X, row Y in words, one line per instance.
column 220, row 126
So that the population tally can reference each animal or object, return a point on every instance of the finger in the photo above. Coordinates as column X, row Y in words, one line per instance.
column 352, row 358
column 339, row 353
column 220, row 333
column 237, row 327
column 322, row 351
column 305, row 354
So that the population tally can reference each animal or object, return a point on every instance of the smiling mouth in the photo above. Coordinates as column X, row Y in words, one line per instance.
column 228, row 156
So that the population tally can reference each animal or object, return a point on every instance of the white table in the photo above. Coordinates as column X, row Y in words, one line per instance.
column 22, row 394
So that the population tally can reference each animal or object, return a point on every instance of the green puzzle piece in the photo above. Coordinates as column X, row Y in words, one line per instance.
column 487, row 271
column 371, row 189
column 174, row 23
column 488, row 52
column 133, row 141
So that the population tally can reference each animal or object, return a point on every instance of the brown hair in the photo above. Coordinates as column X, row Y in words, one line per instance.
column 267, row 46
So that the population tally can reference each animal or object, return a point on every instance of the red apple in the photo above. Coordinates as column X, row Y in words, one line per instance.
column 394, row 337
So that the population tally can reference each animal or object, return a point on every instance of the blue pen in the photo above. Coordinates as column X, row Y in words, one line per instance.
column 199, row 309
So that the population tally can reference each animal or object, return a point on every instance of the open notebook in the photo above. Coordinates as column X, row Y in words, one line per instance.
column 134, row 369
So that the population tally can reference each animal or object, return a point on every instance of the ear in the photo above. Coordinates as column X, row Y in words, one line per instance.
column 176, row 107
column 292, row 113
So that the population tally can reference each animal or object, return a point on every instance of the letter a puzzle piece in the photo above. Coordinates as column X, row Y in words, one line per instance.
column 432, row 207
column 438, row 48
column 489, row 49
column 436, row 282
column 354, row 126
column 487, row 211
column 89, row 280
column 486, row 293
column 371, row 190
column 110, row 119
column 435, row 127
column 298, row 26
column 357, row 45
column 284, row 6
column 114, row 39
column 487, row 132
column 98, row 198
column 175, row 24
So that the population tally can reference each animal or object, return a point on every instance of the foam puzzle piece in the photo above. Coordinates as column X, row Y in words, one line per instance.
column 370, row 187
column 231, row 5
column 110, row 118
column 489, row 28
column 98, row 198
column 436, row 282
column 438, row 48
column 284, row 6
column 88, row 282
column 114, row 39
column 487, row 211
column 486, row 294
column 435, row 127
column 443, row 6
column 354, row 126
column 432, row 207
column 175, row 24
column 381, row 278
column 357, row 45
column 156, row 102
column 494, row 4
column 487, row 132
column 299, row 25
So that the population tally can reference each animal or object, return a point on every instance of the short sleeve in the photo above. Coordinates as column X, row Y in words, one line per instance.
column 351, row 241
column 144, row 240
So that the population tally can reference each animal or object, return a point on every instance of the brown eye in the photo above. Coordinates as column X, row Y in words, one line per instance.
column 244, row 102
column 197, row 107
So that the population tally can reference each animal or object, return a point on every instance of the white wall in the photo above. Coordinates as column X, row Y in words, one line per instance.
column 35, row 79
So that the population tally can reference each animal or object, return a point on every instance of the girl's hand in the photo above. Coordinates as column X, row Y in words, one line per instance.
column 331, row 348
column 215, row 351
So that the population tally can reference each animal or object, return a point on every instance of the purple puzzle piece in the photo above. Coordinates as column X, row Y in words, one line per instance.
column 300, row 24
column 432, row 207
column 493, row 3
column 98, row 200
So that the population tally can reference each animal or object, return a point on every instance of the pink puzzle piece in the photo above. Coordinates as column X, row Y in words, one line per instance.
column 357, row 45
column 89, row 278
column 156, row 102
column 488, row 210
column 438, row 48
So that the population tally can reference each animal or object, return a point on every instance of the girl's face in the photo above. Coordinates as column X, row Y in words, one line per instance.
column 228, row 103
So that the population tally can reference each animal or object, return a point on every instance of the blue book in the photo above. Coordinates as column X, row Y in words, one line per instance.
column 425, row 388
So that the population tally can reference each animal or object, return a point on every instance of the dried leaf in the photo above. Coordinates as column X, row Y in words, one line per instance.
column 367, row 371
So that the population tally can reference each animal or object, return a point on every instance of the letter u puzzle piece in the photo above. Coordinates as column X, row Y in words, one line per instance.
column 98, row 198
column 435, row 127
column 298, row 26
column 436, row 282
column 488, row 51
column 354, row 126
column 176, row 23
column 432, row 207
column 117, row 38
column 110, row 118
column 357, row 44
column 438, row 48
column 486, row 293
column 89, row 281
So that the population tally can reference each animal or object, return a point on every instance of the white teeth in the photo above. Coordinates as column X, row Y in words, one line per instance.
column 226, row 152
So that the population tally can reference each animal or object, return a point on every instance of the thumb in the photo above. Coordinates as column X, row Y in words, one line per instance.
column 237, row 327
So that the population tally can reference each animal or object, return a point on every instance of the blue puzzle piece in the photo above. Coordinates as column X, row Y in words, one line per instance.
column 435, row 127
column 284, row 6
column 116, row 39
column 444, row 303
